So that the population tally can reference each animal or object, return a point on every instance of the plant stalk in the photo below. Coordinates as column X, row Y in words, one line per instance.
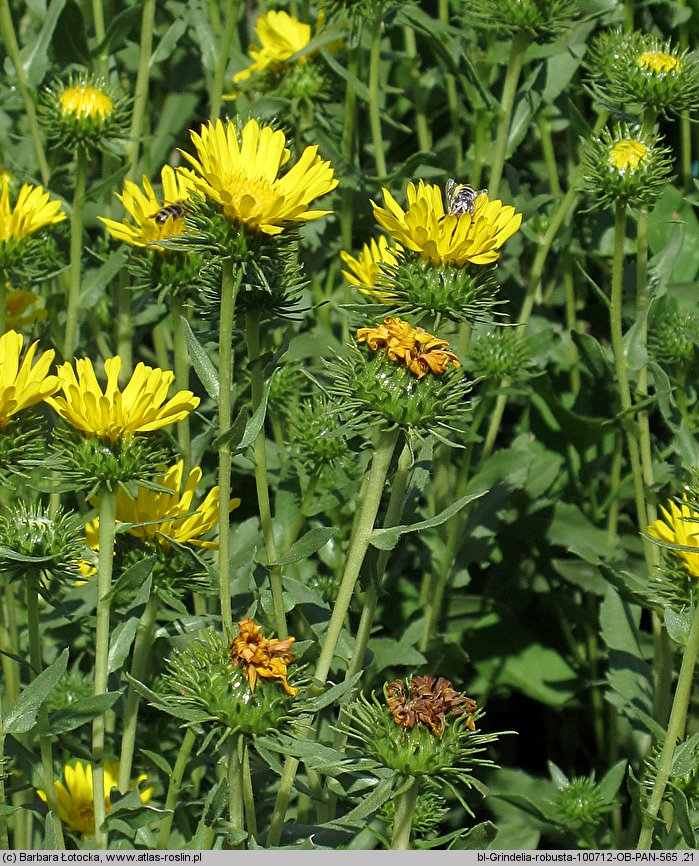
column 173, row 790
column 140, row 96
column 231, row 13
column 374, row 107
column 70, row 340
column 403, row 820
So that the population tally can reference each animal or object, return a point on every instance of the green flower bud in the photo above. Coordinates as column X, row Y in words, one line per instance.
column 639, row 68
column 314, row 432
column 22, row 443
column 302, row 82
column 499, row 353
column 48, row 545
column 627, row 166
column 580, row 805
column 539, row 18
column 72, row 687
column 673, row 334
column 85, row 111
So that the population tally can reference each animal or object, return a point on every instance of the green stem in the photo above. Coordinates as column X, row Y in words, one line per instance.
column 549, row 153
column 520, row 43
column 674, row 733
column 173, row 790
column 374, row 107
column 403, row 820
column 46, row 749
column 284, row 789
column 235, row 787
column 181, row 368
column 12, row 48
column 140, row 96
column 455, row 112
column 367, row 508
column 9, row 642
column 424, row 139
column 571, row 325
column 230, row 283
column 259, row 449
column 4, row 836
column 70, row 341
column 347, row 146
column 628, row 15
column 100, row 32
column 141, row 652
column 248, row 795
column 124, row 326
column 231, row 13
column 614, row 481
column 107, row 522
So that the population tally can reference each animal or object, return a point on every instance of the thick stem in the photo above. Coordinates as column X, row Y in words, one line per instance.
column 248, row 795
column 141, row 651
column 424, row 139
column 520, row 43
column 12, row 48
column 455, row 113
column 403, row 820
column 284, row 789
column 45, row 746
column 140, row 96
column 181, row 368
column 674, row 733
column 347, row 149
column 231, row 13
column 4, row 836
column 70, row 340
column 230, row 283
column 107, row 518
column 374, row 107
column 259, row 449
column 367, row 508
column 173, row 790
column 9, row 642
column 236, row 806
column 98, row 23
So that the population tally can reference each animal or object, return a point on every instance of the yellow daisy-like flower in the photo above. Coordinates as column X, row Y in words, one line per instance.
column 88, row 567
column 176, row 517
column 679, row 526
column 21, row 385
column 658, row 62
column 34, row 210
column 113, row 415
column 260, row 656
column 363, row 271
column 281, row 36
column 243, row 177
column 400, row 341
column 448, row 239
column 85, row 101
column 18, row 309
column 153, row 218
column 628, row 154
column 75, row 796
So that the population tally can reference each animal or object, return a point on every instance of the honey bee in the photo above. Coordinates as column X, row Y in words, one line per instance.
column 461, row 197
column 175, row 210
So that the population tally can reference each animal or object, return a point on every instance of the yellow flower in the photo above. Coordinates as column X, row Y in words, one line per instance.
column 34, row 210
column 680, row 526
column 628, row 154
column 281, row 36
column 75, row 797
column 114, row 415
column 84, row 101
column 88, row 567
column 18, row 312
column 443, row 238
column 260, row 656
column 153, row 218
column 21, row 385
column 172, row 515
column 400, row 341
column 658, row 62
column 363, row 271
column 5, row 177
column 242, row 177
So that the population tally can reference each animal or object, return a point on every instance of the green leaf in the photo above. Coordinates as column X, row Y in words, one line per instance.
column 96, row 280
column 678, row 624
column 21, row 716
column 386, row 539
column 81, row 712
column 368, row 806
column 360, row 89
column 120, row 643
column 476, row 838
column 307, row 545
column 680, row 807
column 204, row 36
column 610, row 783
column 684, row 758
column 203, row 366
column 256, row 422
column 169, row 41
column 118, row 28
column 69, row 43
column 35, row 56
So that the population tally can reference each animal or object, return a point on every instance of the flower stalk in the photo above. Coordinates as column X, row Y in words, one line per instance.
column 252, row 339
column 173, row 790
column 181, row 369
column 140, row 97
column 403, row 820
column 70, row 340
column 374, row 107
column 4, row 836
column 236, row 808
column 107, row 517
column 674, row 733
column 230, row 283
column 231, row 12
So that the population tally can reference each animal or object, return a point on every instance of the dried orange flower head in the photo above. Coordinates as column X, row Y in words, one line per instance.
column 400, row 341
column 261, row 656
column 428, row 702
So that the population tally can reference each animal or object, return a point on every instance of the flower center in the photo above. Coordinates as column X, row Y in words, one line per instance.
column 657, row 62
column 250, row 196
column 83, row 101
column 627, row 155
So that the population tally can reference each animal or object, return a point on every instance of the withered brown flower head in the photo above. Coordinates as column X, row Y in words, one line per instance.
column 260, row 656
column 428, row 703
